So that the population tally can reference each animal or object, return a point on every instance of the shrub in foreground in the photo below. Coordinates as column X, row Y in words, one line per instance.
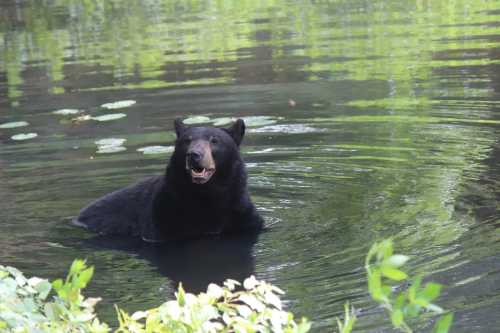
column 34, row 305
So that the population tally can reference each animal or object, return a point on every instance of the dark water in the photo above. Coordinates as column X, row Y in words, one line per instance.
column 387, row 120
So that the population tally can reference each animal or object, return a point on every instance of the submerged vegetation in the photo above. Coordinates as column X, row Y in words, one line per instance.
column 36, row 305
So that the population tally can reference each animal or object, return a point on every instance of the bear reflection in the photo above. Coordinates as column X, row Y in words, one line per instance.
column 195, row 263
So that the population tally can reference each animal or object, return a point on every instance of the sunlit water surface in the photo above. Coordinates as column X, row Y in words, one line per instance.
column 382, row 121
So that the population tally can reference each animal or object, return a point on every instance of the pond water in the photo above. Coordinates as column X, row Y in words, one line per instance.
column 382, row 119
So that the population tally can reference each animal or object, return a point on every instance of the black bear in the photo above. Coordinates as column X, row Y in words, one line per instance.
column 203, row 192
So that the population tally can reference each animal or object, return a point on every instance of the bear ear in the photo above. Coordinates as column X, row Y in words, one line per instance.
column 179, row 127
column 237, row 131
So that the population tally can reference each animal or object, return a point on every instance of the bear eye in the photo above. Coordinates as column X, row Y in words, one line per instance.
column 214, row 140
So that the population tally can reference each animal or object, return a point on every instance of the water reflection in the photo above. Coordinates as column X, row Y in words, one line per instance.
column 195, row 264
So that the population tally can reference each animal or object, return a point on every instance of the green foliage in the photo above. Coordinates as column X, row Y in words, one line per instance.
column 383, row 269
column 349, row 319
column 255, row 306
column 25, row 306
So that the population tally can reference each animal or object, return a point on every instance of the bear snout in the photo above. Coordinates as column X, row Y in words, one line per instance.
column 194, row 158
column 199, row 161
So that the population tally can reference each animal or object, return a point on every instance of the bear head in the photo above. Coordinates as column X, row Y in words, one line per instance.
column 206, row 153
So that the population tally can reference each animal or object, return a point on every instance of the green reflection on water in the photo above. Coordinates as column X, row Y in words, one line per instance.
column 160, row 41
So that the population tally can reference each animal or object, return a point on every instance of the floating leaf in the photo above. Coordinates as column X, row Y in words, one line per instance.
column 290, row 129
column 14, row 124
column 118, row 104
column 196, row 120
column 110, row 149
column 256, row 121
column 24, row 136
column 267, row 150
column 156, row 150
column 65, row 112
column 110, row 142
column 84, row 117
column 108, row 117
column 223, row 121
column 110, row 145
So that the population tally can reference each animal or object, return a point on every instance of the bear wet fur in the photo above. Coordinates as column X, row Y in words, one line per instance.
column 203, row 192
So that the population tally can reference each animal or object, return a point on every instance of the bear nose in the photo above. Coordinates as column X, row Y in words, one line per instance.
column 195, row 157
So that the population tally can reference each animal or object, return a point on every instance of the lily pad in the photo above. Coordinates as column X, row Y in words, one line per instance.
column 66, row 112
column 110, row 142
column 14, row 124
column 256, row 121
column 24, row 136
column 156, row 150
column 110, row 145
column 196, row 120
column 109, row 117
column 223, row 121
column 263, row 151
column 110, row 149
column 118, row 104
column 84, row 117
column 290, row 129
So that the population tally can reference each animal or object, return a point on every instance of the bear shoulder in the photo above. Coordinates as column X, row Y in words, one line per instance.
column 126, row 211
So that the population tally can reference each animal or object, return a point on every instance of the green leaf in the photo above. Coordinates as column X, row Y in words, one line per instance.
column 444, row 323
column 434, row 308
column 84, row 277
column 386, row 290
column 181, row 295
column 43, row 288
column 400, row 301
column 375, row 286
column 430, row 292
column 397, row 318
column 57, row 284
column 385, row 250
column 349, row 319
column 303, row 327
column 413, row 310
column 77, row 266
column 393, row 273
column 412, row 291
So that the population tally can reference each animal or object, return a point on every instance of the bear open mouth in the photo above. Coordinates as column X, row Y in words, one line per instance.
column 201, row 175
